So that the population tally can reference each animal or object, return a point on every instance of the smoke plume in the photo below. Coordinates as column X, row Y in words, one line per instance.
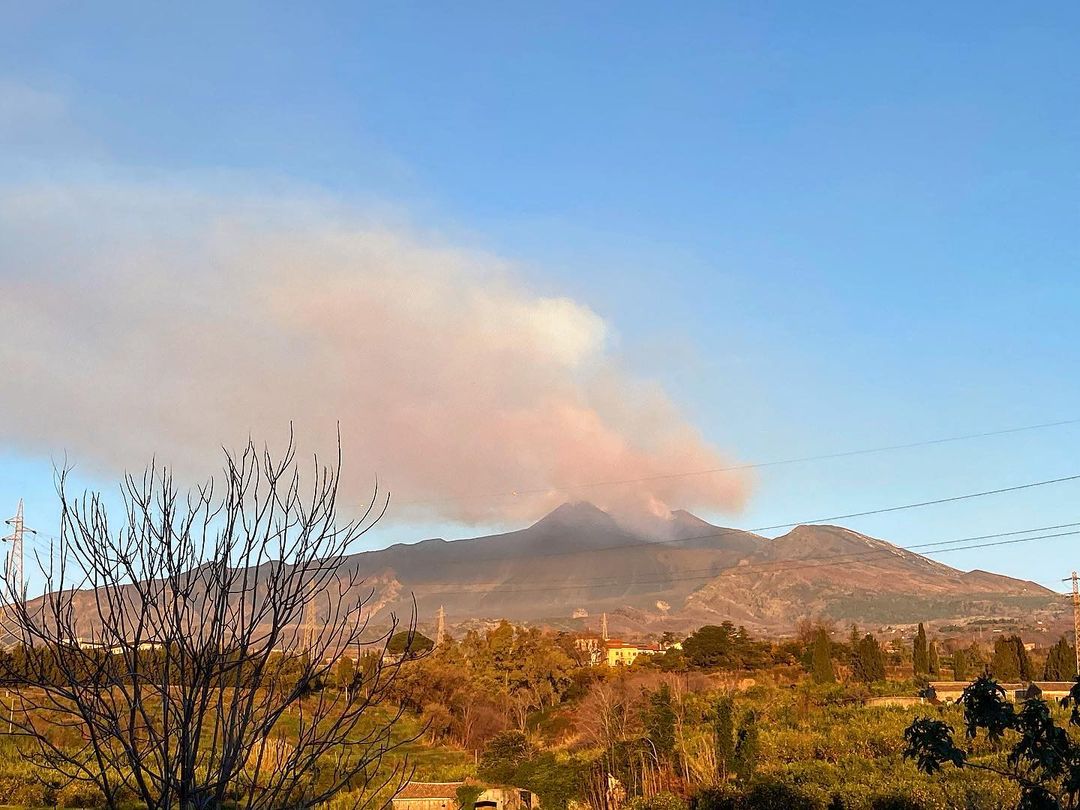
column 161, row 321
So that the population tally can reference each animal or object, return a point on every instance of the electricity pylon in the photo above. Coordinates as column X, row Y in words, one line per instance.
column 13, row 570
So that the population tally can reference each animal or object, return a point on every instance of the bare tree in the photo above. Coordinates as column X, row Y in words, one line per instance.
column 185, row 650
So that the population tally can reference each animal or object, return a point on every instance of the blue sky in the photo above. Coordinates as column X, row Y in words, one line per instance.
column 818, row 228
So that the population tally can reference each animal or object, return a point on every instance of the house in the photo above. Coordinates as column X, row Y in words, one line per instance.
column 623, row 654
column 443, row 796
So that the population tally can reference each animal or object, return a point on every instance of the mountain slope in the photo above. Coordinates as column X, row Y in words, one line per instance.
column 575, row 558
column 682, row 572
column 836, row 572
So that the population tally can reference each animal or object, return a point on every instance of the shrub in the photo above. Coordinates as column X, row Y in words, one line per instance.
column 78, row 794
column 778, row 796
column 661, row 801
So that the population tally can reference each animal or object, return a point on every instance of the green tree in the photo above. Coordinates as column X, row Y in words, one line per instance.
column 747, row 747
column 920, row 653
column 409, row 642
column 660, row 722
column 960, row 665
column 933, row 663
column 1043, row 761
column 502, row 756
column 1011, row 661
column 1060, row 662
column 346, row 671
column 1027, row 669
column 868, row 662
column 724, row 646
column 821, row 665
column 724, row 737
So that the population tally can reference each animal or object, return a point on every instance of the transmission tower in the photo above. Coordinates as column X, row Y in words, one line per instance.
column 13, row 570
column 440, row 631
column 309, row 621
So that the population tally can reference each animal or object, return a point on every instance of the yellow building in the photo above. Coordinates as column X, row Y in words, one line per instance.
column 623, row 654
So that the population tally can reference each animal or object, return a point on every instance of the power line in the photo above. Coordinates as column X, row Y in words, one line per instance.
column 750, row 466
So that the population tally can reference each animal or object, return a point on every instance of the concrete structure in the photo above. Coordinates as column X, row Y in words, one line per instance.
column 443, row 796
column 950, row 691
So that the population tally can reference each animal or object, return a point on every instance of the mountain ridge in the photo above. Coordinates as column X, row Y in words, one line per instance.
column 580, row 560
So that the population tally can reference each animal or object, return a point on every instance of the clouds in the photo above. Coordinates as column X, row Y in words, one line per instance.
column 169, row 320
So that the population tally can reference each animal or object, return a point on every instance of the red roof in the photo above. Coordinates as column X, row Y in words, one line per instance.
column 430, row 790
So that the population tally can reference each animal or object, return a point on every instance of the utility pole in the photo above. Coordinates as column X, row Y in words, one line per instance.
column 1076, row 617
column 440, row 630
column 13, row 571
column 603, row 627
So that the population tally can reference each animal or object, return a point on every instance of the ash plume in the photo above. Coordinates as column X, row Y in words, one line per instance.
column 165, row 321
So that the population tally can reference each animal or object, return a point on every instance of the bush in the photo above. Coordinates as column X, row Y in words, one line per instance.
column 78, row 794
column 716, row 798
column 778, row 796
column 896, row 802
column 661, row 801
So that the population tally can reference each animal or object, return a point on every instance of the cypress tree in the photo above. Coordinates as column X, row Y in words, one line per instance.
column 1027, row 671
column 660, row 721
column 934, row 660
column 1005, row 665
column 960, row 665
column 869, row 660
column 724, row 737
column 1060, row 662
column 920, row 654
column 821, row 659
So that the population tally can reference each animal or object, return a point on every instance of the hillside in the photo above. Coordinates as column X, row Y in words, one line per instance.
column 672, row 574
column 679, row 573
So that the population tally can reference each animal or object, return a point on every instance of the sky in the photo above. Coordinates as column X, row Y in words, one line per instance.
column 522, row 246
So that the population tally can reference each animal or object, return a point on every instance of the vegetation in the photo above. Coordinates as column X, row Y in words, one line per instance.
column 1010, row 661
column 1043, row 760
column 1060, row 662
column 729, row 722
column 191, row 674
column 921, row 653
column 821, row 666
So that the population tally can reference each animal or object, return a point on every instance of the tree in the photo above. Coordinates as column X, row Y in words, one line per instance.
column 660, row 722
column 933, row 661
column 724, row 737
column 1011, row 661
column 821, row 666
column 747, row 747
column 868, row 662
column 1060, row 662
column 724, row 647
column 920, row 653
column 960, row 665
column 502, row 756
column 183, row 603
column 409, row 643
column 1043, row 761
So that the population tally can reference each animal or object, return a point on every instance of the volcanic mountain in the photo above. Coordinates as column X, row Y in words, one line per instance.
column 680, row 572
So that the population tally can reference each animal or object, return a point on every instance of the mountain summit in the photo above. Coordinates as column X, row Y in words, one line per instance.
column 580, row 559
